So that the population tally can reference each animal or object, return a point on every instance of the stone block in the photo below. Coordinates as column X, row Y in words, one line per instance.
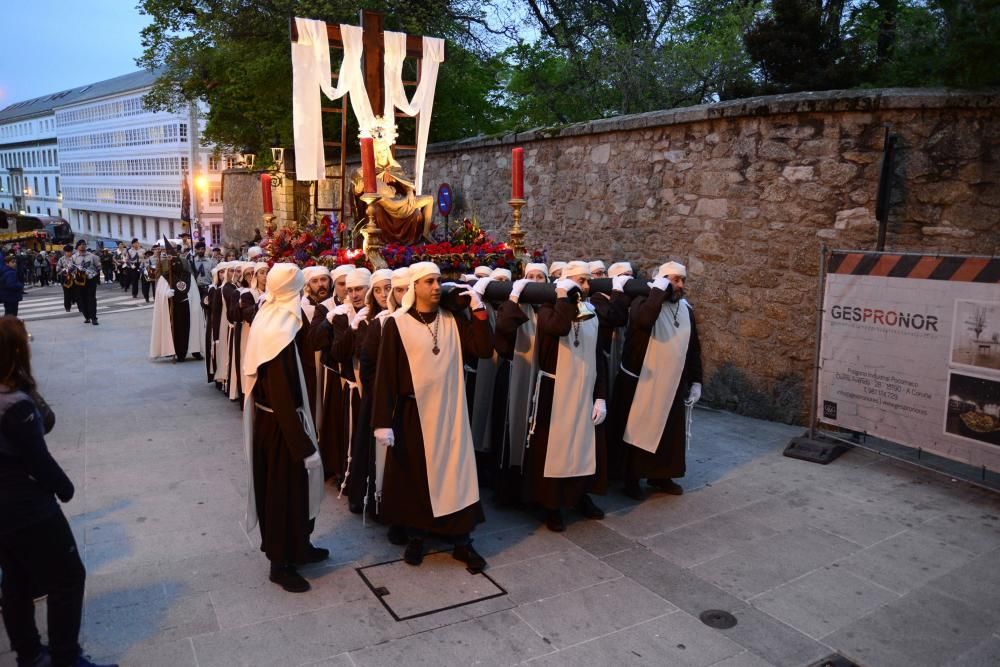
column 599, row 154
column 757, row 329
column 712, row 208
column 797, row 174
column 854, row 218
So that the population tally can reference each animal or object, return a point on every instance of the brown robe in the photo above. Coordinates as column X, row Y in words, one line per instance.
column 555, row 321
column 669, row 460
column 280, row 447
column 406, row 496
column 332, row 448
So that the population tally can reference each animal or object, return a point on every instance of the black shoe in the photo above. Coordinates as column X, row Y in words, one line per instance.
column 633, row 490
column 68, row 310
column 474, row 563
column 397, row 535
column 666, row 486
column 86, row 320
column 587, row 508
column 355, row 508
column 41, row 659
column 197, row 355
column 316, row 555
column 554, row 521
column 289, row 578
column 85, row 661
column 414, row 554
column 94, row 323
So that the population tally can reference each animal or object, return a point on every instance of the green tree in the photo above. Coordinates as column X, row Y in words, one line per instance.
column 234, row 57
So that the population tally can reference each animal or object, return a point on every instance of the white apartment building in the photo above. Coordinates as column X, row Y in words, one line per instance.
column 108, row 165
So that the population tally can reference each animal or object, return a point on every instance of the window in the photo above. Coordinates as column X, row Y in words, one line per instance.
column 48, row 211
column 156, row 227
column 216, row 233
column 45, row 180
column 35, row 191
column 215, row 196
column 213, row 163
column 120, row 233
column 131, row 226
column 143, row 228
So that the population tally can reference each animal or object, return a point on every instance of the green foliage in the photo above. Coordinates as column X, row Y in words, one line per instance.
column 517, row 64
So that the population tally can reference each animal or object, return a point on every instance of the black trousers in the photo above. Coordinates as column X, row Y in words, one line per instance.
column 10, row 308
column 86, row 299
column 43, row 559
column 122, row 274
column 133, row 277
column 145, row 289
column 68, row 298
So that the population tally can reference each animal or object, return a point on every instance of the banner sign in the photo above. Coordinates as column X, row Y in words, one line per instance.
column 910, row 351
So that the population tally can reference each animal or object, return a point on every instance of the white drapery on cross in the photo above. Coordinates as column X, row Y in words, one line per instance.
column 311, row 73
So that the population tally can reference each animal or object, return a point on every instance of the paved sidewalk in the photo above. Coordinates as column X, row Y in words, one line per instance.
column 883, row 562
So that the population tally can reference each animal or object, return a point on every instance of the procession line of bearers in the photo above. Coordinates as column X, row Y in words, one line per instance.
column 366, row 382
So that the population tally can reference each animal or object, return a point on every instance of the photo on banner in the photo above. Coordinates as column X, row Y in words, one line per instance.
column 973, row 408
column 975, row 337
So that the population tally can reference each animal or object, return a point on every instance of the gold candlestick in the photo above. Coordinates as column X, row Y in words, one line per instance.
column 372, row 246
column 268, row 225
column 516, row 235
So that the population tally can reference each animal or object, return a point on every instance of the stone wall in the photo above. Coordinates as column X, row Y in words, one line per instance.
column 744, row 193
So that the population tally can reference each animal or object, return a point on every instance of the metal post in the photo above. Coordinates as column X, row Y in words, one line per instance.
column 819, row 333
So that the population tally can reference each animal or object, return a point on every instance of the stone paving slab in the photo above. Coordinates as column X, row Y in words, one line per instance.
column 884, row 562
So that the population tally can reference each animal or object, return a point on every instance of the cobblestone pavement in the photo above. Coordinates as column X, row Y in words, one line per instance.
column 886, row 563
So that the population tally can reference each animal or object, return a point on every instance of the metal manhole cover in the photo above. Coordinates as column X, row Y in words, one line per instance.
column 439, row 584
column 718, row 619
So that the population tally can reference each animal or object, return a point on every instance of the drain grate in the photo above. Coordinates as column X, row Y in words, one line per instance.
column 718, row 619
column 835, row 660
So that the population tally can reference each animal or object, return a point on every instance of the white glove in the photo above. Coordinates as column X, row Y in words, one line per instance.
column 170, row 293
column 565, row 284
column 661, row 283
column 695, row 394
column 384, row 437
column 618, row 283
column 516, row 288
column 600, row 412
column 475, row 301
column 313, row 462
column 359, row 318
column 480, row 286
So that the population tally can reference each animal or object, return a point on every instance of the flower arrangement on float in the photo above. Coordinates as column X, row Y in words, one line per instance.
column 469, row 247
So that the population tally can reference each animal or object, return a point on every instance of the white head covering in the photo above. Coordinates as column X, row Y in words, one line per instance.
column 596, row 264
column 671, row 269
column 311, row 272
column 253, row 252
column 483, row 271
column 576, row 268
column 360, row 277
column 278, row 320
column 498, row 274
column 417, row 271
column 221, row 266
column 401, row 277
column 536, row 266
column 556, row 266
column 619, row 269
column 341, row 271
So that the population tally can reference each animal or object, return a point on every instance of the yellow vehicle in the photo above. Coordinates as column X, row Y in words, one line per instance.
column 27, row 231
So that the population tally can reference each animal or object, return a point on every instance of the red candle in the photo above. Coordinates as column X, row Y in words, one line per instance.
column 517, row 174
column 368, row 164
column 265, row 191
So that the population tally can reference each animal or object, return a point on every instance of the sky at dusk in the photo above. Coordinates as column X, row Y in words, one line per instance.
column 52, row 45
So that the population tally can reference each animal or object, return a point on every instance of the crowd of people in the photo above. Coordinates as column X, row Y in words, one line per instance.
column 407, row 395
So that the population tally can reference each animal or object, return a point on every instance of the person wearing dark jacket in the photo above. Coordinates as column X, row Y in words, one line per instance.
column 11, row 287
column 38, row 554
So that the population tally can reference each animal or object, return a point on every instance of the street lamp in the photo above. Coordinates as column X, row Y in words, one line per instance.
column 277, row 163
column 249, row 157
